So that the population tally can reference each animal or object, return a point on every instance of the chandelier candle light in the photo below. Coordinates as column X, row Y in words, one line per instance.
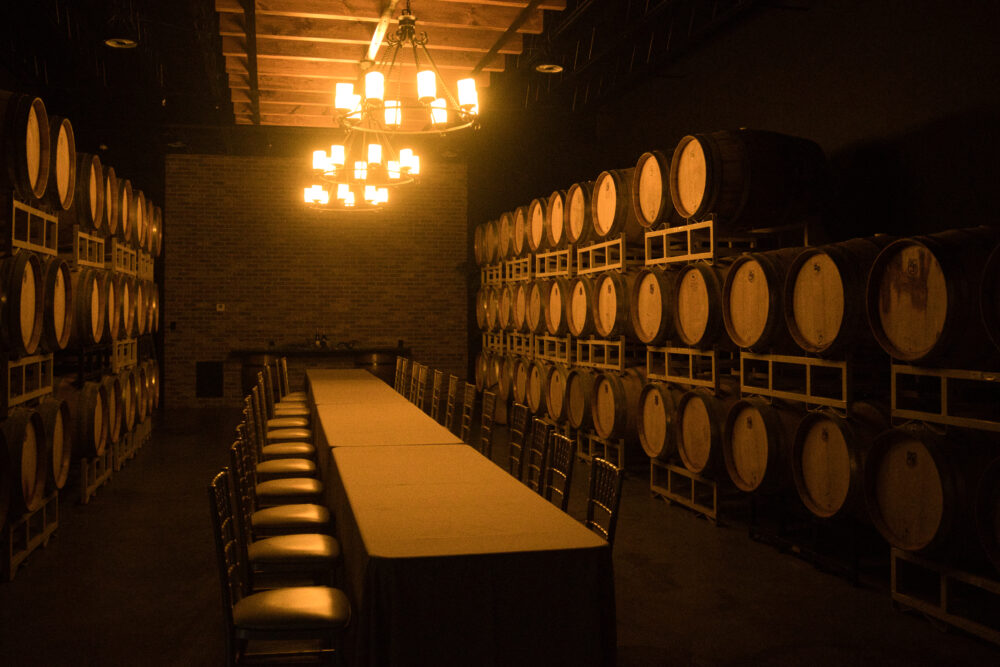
column 366, row 165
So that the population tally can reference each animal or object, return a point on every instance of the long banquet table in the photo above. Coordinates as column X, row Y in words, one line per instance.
column 448, row 559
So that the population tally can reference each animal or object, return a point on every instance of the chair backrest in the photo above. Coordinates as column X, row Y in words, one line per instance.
column 243, row 493
column 451, row 403
column 538, row 449
column 437, row 384
column 399, row 373
column 486, row 424
column 267, row 406
column 559, row 473
column 228, row 547
column 259, row 426
column 269, row 389
column 468, row 407
column 420, row 397
column 404, row 380
column 283, row 385
column 518, row 430
column 603, row 498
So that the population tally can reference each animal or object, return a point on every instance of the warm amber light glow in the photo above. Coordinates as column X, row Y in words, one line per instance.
column 426, row 85
column 392, row 166
column 382, row 196
column 317, row 195
column 343, row 189
column 393, row 113
column 371, row 193
column 439, row 111
column 344, row 98
column 337, row 155
column 374, row 85
column 360, row 170
column 468, row 97
column 374, row 153
column 319, row 160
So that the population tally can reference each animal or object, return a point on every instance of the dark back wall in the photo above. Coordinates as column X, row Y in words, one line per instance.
column 238, row 235
column 902, row 97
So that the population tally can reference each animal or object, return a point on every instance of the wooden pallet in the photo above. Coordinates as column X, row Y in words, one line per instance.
column 961, row 599
column 953, row 397
column 30, row 532
column 517, row 270
column 555, row 263
column 122, row 258
column 94, row 473
column 805, row 379
column 612, row 255
column 124, row 354
column 558, row 349
column 24, row 380
column 699, row 241
column 31, row 229
column 677, row 484
column 521, row 344
column 88, row 250
column 492, row 274
column 590, row 445
column 493, row 341
column 687, row 365
column 615, row 355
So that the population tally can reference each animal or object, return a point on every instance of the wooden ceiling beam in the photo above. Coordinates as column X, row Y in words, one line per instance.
column 300, row 97
column 551, row 5
column 359, row 32
column 346, row 53
column 429, row 14
column 339, row 71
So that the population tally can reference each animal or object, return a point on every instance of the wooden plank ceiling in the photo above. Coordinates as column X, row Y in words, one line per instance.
column 283, row 57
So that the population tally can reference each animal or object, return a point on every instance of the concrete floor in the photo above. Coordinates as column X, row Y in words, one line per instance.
column 131, row 579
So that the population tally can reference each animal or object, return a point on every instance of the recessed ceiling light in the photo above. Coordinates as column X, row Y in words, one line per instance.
column 121, row 43
column 548, row 68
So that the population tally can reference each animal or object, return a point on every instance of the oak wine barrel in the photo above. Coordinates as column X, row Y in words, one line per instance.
column 538, row 386
column 747, row 178
column 519, row 389
column 137, row 218
column 481, row 308
column 989, row 296
column 112, row 307
column 88, row 408
column 520, row 231
column 492, row 307
column 481, row 370
column 651, row 192
column 142, row 404
column 519, row 308
column 824, row 296
column 88, row 202
column 615, row 403
column 147, row 229
column 88, row 307
column 752, row 297
column 491, row 242
column 154, row 308
column 650, row 305
column 556, row 307
column 478, row 241
column 555, row 220
column 657, row 414
column 579, row 397
column 125, row 303
column 698, row 305
column 537, row 239
column 581, row 307
column 23, row 307
column 505, row 236
column 130, row 399
column 611, row 300
column 158, row 248
column 111, row 201
column 923, row 296
column 701, row 415
column 6, row 480
column 57, row 296
column 154, row 381
column 113, row 391
column 125, row 221
column 56, row 424
column 828, row 458
column 756, row 443
column 62, row 169
column 919, row 487
column 505, row 378
column 25, row 436
column 612, row 211
column 580, row 227
column 504, row 307
column 988, row 512
column 24, row 144
column 535, row 314
column 555, row 396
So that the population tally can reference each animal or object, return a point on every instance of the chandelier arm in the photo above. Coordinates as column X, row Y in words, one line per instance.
column 450, row 98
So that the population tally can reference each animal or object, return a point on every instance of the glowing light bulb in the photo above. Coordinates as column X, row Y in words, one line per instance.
column 382, row 196
column 406, row 158
column 349, row 199
column 426, row 85
column 360, row 170
column 343, row 98
column 371, row 192
column 415, row 165
column 374, row 85
column 319, row 160
column 337, row 155
column 342, row 191
column 393, row 113
column 468, row 97
column 374, row 153
column 317, row 195
column 439, row 111
column 393, row 169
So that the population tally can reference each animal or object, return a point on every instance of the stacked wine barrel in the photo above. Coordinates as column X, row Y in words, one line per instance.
column 860, row 305
column 57, row 309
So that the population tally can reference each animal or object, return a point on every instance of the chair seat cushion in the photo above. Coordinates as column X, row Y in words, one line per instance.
column 305, row 550
column 293, row 608
column 287, row 450
column 291, row 410
column 287, row 468
column 289, row 434
column 295, row 396
column 302, row 489
column 298, row 518
column 287, row 422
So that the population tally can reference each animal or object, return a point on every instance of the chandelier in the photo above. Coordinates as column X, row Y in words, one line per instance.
column 366, row 165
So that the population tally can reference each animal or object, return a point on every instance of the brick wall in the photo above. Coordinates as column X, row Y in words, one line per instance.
column 236, row 233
